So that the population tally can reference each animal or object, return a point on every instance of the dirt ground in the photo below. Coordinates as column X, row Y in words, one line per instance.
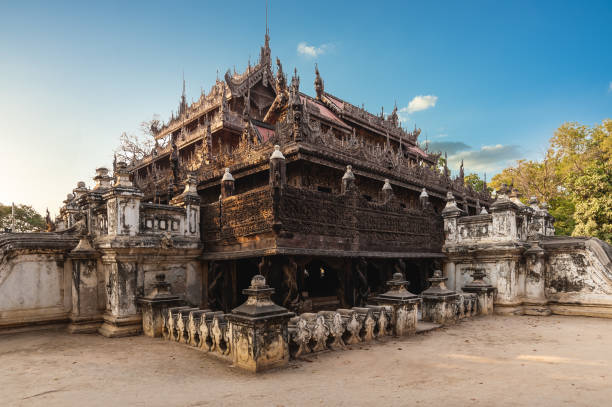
column 493, row 361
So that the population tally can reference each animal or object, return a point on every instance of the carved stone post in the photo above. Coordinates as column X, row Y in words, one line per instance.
column 123, row 204
column 439, row 303
column 403, row 303
column 227, row 184
column 122, row 317
column 484, row 291
column 85, row 316
column 450, row 213
column 503, row 212
column 155, row 305
column 535, row 295
column 190, row 200
column 259, row 330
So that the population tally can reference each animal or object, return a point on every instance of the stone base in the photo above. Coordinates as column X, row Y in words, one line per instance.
column 599, row 311
column 116, row 327
column 84, row 325
column 536, row 309
column 508, row 309
column 440, row 309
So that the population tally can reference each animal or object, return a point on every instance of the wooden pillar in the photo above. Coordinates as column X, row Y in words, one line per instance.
column 234, row 278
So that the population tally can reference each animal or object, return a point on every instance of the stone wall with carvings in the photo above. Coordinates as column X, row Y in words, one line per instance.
column 534, row 272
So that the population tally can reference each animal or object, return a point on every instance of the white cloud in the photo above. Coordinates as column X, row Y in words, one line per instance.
column 489, row 158
column 312, row 51
column 421, row 102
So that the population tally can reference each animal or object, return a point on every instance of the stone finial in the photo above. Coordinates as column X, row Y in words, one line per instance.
column 259, row 300
column 227, row 184
column 69, row 199
column 424, row 199
column 191, row 185
column 478, row 275
column 278, row 169
column 161, row 288
column 276, row 154
column 349, row 173
column 348, row 180
column 438, row 286
column 451, row 209
column 80, row 190
column 227, row 176
column 387, row 185
column 122, row 176
column 387, row 191
column 102, row 179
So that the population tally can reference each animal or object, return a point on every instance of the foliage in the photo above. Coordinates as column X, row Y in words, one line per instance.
column 26, row 219
column 475, row 182
column 575, row 178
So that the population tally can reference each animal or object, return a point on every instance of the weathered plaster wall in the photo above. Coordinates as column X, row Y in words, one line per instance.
column 533, row 273
column 35, row 280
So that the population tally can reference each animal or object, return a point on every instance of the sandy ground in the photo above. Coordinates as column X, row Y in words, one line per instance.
column 493, row 361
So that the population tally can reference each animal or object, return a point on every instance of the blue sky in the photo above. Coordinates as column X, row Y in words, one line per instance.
column 492, row 81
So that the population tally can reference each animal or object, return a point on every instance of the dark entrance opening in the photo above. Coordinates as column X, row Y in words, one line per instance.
column 321, row 284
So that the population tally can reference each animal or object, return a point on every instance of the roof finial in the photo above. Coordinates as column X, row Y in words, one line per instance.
column 318, row 83
column 267, row 30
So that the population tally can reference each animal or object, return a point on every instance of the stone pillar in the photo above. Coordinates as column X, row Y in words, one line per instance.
column 227, row 184
column 535, row 296
column 450, row 213
column 155, row 305
column 450, row 271
column 484, row 291
column 503, row 213
column 123, row 205
column 190, row 200
column 259, row 330
column 85, row 316
column 403, row 303
column 121, row 317
column 439, row 303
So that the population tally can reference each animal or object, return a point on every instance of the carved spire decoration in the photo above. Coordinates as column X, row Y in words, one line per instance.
column 394, row 118
column 295, row 88
column 318, row 83
column 281, row 81
column 183, row 104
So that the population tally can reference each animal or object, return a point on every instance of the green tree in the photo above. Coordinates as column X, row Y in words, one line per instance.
column 475, row 182
column 575, row 178
column 26, row 219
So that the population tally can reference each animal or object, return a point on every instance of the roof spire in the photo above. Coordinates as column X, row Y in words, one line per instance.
column 183, row 105
column 267, row 30
column 265, row 58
